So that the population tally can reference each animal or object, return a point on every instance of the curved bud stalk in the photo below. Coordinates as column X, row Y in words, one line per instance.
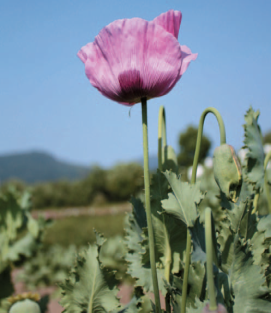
column 193, row 181
column 148, row 204
column 199, row 137
column 266, row 187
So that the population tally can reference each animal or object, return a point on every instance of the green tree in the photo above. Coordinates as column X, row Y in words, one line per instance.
column 187, row 142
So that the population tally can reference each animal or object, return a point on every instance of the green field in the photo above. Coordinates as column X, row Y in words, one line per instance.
column 79, row 230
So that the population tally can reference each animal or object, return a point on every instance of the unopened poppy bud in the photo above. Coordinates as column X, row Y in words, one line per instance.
column 227, row 171
column 25, row 306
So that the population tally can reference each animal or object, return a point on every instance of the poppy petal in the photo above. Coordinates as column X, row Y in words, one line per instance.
column 170, row 21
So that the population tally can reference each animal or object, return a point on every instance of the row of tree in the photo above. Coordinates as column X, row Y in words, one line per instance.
column 113, row 185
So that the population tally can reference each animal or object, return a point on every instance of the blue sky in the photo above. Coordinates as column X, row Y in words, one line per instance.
column 47, row 103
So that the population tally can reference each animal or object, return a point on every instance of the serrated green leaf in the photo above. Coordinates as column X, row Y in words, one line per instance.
column 111, row 257
column 137, row 244
column 11, row 215
column 182, row 202
column 235, row 221
column 250, row 294
column 32, row 226
column 140, row 303
column 196, row 286
column 86, row 291
column 255, row 155
column 15, row 220
column 261, row 241
column 22, row 247
column 170, row 236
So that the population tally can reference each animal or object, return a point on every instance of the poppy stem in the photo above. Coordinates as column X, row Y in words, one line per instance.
column 209, row 257
column 162, row 142
column 193, row 181
column 162, row 135
column 148, row 204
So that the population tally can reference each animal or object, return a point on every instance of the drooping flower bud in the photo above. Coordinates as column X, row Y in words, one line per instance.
column 227, row 171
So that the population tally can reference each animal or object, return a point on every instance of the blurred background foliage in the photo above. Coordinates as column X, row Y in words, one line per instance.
column 117, row 184
column 187, row 143
column 64, row 237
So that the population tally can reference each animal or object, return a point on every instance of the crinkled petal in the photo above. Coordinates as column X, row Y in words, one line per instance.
column 170, row 21
column 131, row 59
column 187, row 57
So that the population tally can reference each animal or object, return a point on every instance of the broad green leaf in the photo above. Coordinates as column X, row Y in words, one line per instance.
column 32, row 225
column 198, row 241
column 22, row 247
column 112, row 253
column 20, row 234
column 183, row 201
column 137, row 245
column 225, row 240
column 11, row 215
column 86, row 291
column 140, row 303
column 170, row 236
column 236, row 211
column 237, row 220
column 209, row 187
column 196, row 286
column 49, row 266
column 255, row 155
column 261, row 241
column 111, row 256
column 247, row 280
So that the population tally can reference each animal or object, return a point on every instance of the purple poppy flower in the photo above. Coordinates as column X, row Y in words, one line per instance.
column 132, row 58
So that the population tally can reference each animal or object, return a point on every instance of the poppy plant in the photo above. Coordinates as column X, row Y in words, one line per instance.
column 131, row 59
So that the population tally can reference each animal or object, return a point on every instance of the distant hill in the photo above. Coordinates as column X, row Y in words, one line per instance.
column 35, row 167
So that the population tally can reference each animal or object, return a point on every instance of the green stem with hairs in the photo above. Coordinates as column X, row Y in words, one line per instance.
column 209, row 253
column 266, row 187
column 162, row 142
column 162, row 135
column 148, row 204
column 193, row 180
column 255, row 201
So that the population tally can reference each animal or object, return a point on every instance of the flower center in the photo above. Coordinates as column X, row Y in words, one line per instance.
column 131, row 85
